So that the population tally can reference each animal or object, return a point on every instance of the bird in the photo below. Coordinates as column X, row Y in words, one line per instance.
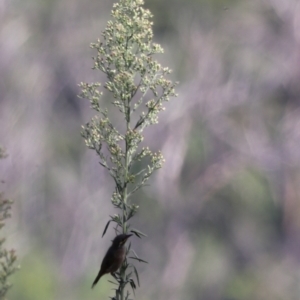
column 114, row 256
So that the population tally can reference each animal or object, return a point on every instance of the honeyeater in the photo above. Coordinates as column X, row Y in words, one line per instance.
column 114, row 256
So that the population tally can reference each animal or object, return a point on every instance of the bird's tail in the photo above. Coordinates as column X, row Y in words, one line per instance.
column 97, row 278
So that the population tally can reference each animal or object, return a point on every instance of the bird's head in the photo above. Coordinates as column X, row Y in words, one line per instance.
column 120, row 240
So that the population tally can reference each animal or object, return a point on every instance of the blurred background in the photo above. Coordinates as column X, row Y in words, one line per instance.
column 223, row 214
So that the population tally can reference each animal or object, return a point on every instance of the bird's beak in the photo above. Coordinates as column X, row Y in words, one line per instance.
column 125, row 239
column 127, row 236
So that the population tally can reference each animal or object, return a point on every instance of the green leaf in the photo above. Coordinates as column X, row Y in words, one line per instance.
column 112, row 282
column 133, row 286
column 139, row 259
column 137, row 233
column 128, row 276
column 136, row 275
column 127, row 296
column 106, row 227
column 128, row 249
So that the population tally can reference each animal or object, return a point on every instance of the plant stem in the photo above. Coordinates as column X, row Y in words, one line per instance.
column 127, row 162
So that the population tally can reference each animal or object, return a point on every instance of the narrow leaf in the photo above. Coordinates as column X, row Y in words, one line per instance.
column 134, row 253
column 138, row 233
column 128, row 249
column 139, row 259
column 133, row 286
column 106, row 227
column 136, row 275
column 128, row 275
column 127, row 296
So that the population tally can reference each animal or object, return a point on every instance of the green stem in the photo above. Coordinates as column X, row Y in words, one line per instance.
column 125, row 192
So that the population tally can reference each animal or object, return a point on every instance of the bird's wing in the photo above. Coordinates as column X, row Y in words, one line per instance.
column 108, row 261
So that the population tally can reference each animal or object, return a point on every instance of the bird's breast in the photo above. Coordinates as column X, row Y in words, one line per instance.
column 119, row 256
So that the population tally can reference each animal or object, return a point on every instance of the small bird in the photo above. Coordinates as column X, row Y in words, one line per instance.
column 114, row 256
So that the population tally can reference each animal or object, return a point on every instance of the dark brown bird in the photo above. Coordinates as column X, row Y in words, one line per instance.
column 114, row 256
